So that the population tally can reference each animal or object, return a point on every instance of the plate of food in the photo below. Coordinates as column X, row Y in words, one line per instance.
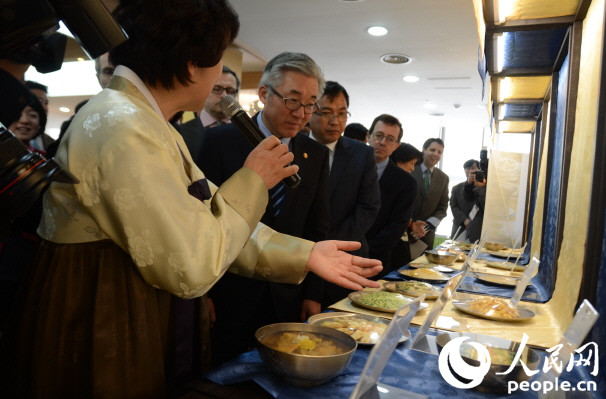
column 440, row 268
column 365, row 329
column 498, row 280
column 381, row 301
column 429, row 275
column 506, row 266
column 492, row 308
column 413, row 288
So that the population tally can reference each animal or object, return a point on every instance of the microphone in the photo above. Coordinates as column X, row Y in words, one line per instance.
column 249, row 129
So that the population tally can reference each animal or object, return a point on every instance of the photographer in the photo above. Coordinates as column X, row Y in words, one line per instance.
column 467, row 203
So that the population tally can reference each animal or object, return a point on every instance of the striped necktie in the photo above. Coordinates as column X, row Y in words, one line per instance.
column 276, row 195
column 427, row 179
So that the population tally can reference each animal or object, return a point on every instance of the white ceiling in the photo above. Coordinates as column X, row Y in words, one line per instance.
column 439, row 35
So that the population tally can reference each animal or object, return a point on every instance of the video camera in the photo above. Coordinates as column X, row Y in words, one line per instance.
column 483, row 172
column 28, row 36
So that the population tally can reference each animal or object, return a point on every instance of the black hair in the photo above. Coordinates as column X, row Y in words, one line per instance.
column 227, row 69
column 164, row 37
column 332, row 90
column 355, row 131
column 30, row 84
column 469, row 163
column 406, row 152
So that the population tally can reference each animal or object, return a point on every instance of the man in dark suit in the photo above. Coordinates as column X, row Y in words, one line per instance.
column 431, row 203
column 398, row 191
column 462, row 200
column 289, row 89
column 354, row 188
column 211, row 115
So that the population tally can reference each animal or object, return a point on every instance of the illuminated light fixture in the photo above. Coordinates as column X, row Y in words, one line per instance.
column 429, row 105
column 80, row 59
column 500, row 52
column 436, row 114
column 394, row 58
column 410, row 79
column 377, row 31
column 64, row 109
column 505, row 9
column 505, row 88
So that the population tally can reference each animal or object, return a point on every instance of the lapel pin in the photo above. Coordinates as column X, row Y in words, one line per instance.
column 305, row 155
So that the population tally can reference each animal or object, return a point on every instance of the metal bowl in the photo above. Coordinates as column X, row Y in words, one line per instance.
column 305, row 370
column 494, row 246
column 497, row 347
column 440, row 257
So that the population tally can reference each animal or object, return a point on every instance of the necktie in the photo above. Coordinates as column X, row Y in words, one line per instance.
column 276, row 195
column 426, row 179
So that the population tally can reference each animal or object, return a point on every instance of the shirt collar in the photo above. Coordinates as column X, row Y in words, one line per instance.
column 209, row 120
column 131, row 76
column 331, row 146
column 381, row 167
column 424, row 168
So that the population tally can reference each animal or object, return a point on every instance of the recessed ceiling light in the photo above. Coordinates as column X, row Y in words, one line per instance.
column 436, row 114
column 410, row 79
column 377, row 31
column 64, row 109
column 395, row 59
column 429, row 105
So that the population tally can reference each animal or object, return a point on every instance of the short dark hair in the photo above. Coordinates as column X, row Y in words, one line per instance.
column 164, row 37
column 227, row 69
column 469, row 163
column 406, row 152
column 356, row 131
column 332, row 90
column 30, row 84
column 428, row 142
column 388, row 120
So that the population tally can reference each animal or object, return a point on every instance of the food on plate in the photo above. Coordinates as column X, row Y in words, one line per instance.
column 494, row 246
column 498, row 356
column 416, row 288
column 494, row 307
column 362, row 330
column 428, row 274
column 304, row 343
column 382, row 300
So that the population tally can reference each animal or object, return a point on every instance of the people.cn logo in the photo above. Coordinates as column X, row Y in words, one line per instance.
column 451, row 356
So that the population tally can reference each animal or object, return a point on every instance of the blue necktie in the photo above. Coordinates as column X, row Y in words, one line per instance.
column 276, row 195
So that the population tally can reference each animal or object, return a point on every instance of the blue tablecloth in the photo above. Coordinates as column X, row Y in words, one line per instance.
column 407, row 369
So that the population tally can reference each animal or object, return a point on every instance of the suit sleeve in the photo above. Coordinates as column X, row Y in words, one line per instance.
column 458, row 214
column 442, row 207
column 210, row 157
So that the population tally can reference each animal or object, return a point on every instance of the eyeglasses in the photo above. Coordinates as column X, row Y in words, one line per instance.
column 293, row 104
column 380, row 136
column 328, row 115
column 228, row 90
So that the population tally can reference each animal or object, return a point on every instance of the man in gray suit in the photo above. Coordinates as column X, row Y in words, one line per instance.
column 462, row 200
column 431, row 203
column 353, row 186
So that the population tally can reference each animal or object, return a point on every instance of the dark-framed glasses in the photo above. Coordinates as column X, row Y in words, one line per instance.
column 293, row 104
column 217, row 89
column 380, row 136
column 327, row 115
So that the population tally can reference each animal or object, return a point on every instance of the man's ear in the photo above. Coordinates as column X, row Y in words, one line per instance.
column 263, row 92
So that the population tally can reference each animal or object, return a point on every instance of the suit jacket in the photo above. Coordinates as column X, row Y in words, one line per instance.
column 460, row 206
column 354, row 204
column 432, row 203
column 304, row 213
column 192, row 132
column 398, row 191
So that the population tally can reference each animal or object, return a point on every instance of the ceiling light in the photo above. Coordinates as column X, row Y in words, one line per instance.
column 429, row 105
column 410, row 79
column 377, row 31
column 436, row 114
column 395, row 59
column 64, row 109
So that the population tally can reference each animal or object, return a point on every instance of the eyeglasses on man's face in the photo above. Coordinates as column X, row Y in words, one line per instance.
column 293, row 104
column 380, row 136
column 327, row 115
column 217, row 89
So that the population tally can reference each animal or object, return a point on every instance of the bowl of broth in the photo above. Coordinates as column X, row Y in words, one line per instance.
column 304, row 354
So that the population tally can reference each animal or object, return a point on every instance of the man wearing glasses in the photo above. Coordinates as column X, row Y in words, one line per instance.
column 289, row 89
column 398, row 191
column 211, row 115
column 354, row 188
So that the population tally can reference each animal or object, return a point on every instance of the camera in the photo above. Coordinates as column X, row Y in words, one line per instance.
column 480, row 176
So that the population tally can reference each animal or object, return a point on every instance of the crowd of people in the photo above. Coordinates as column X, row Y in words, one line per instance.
column 127, row 294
